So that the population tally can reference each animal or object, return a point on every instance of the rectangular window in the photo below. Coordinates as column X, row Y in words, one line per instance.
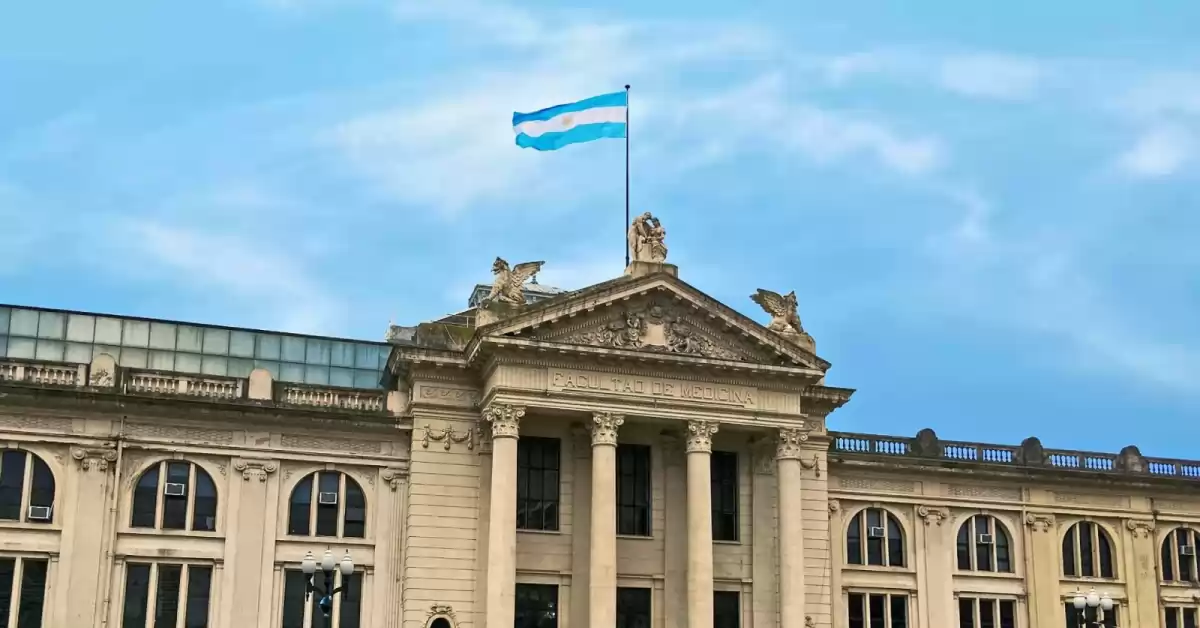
column 156, row 594
column 1181, row 616
column 727, row 609
column 536, row 606
column 633, row 607
column 22, row 591
column 724, row 476
column 538, row 462
column 1111, row 618
column 986, row 613
column 633, row 490
column 877, row 610
column 299, row 613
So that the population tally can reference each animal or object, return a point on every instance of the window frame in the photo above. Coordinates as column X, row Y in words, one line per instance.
column 737, row 595
column 999, row 531
column 1180, row 611
column 976, row 602
column 887, row 517
column 359, row 585
column 525, row 447
column 646, row 519
column 541, row 586
column 648, row 592
column 719, row 508
column 17, row 588
column 1100, row 536
column 1171, row 541
column 344, row 479
column 160, row 499
column 889, row 620
column 28, row 472
column 151, row 605
column 1112, row 618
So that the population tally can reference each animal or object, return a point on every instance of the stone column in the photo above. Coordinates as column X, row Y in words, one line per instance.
column 699, row 518
column 791, row 528
column 502, row 524
column 602, row 571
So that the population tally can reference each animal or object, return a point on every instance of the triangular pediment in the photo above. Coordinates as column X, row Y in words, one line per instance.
column 656, row 313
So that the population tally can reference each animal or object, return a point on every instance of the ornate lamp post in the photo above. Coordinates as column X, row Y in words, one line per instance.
column 328, row 566
column 1092, row 609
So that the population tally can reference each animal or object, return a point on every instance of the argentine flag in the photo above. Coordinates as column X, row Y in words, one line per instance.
column 591, row 119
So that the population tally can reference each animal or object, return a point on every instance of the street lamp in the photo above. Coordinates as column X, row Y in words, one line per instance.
column 1092, row 609
column 328, row 566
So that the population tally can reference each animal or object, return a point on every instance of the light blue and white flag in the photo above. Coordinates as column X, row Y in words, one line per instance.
column 590, row 119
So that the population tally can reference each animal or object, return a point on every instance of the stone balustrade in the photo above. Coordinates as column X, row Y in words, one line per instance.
column 1030, row 453
column 322, row 397
column 43, row 373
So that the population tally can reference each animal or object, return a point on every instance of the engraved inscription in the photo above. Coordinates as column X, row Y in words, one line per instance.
column 166, row 432
column 887, row 486
column 438, row 394
column 1113, row 501
column 983, row 492
column 653, row 387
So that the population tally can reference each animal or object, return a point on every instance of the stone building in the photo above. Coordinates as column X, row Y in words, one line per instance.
column 632, row 454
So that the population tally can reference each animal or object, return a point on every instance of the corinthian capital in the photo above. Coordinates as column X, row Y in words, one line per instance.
column 787, row 446
column 699, row 436
column 505, row 419
column 604, row 428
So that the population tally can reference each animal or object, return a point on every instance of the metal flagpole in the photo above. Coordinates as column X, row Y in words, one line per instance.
column 625, row 231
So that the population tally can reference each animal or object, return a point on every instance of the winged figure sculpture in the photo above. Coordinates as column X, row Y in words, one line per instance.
column 782, row 309
column 506, row 287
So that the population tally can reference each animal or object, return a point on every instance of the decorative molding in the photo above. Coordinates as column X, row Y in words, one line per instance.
column 788, row 442
column 1111, row 501
column 809, row 622
column 254, row 468
column 1143, row 528
column 97, row 458
column 835, row 506
column 483, row 435
column 884, row 486
column 325, row 444
column 441, row 610
column 100, row 377
column 458, row 396
column 983, row 492
column 187, row 434
column 1040, row 522
column 396, row 475
column 699, row 436
column 763, row 451
column 813, row 465
column 446, row 435
column 933, row 514
column 604, row 427
column 505, row 419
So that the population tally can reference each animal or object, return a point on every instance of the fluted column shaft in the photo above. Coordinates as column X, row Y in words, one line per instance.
column 602, row 561
column 699, row 518
column 502, row 527
column 791, row 528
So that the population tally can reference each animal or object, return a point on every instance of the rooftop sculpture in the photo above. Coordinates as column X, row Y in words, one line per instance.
column 782, row 309
column 506, row 288
column 647, row 240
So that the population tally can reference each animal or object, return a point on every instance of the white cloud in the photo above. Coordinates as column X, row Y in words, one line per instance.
column 996, row 76
column 258, row 277
column 1159, row 152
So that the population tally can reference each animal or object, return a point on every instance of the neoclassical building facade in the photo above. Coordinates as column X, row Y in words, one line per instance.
column 632, row 454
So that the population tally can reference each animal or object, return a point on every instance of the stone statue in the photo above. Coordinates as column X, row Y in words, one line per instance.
column 782, row 309
column 647, row 240
column 506, row 288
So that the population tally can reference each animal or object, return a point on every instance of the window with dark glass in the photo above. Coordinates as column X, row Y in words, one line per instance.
column 877, row 610
column 633, row 490
column 536, row 606
column 633, row 607
column 298, row 613
column 874, row 537
column 175, row 495
column 327, row 503
column 166, row 594
column 984, row 545
column 1087, row 551
column 727, row 609
column 724, row 475
column 1181, row 617
column 22, row 591
column 26, row 488
column 986, row 613
column 1071, row 614
column 538, row 461
column 1178, row 557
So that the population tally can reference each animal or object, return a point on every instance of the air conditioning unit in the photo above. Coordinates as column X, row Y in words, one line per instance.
column 39, row 513
column 1187, row 550
column 174, row 489
column 985, row 539
column 328, row 499
column 875, row 532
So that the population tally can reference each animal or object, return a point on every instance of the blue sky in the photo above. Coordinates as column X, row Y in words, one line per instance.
column 989, row 217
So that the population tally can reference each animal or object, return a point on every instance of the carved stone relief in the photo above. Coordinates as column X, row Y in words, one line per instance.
column 604, row 427
column 933, row 515
column 699, row 436
column 254, row 468
column 505, row 419
column 446, row 436
column 789, row 441
column 1140, row 527
column 97, row 458
column 396, row 474
column 884, row 486
column 1040, row 522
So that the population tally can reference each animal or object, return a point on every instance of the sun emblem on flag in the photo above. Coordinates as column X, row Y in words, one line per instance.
column 566, row 120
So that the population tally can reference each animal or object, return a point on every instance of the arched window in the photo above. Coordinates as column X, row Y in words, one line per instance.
column 1179, row 556
column 984, row 545
column 26, row 488
column 327, row 503
column 1087, row 551
column 175, row 495
column 875, row 538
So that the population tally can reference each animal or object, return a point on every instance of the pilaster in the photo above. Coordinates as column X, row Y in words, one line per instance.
column 763, row 530
column 1044, row 558
column 935, row 567
column 89, row 487
column 250, row 542
column 1142, row 578
column 675, row 544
